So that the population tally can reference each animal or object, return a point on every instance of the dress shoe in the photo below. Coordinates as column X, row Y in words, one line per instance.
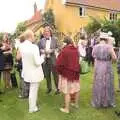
column 117, row 113
column 49, row 91
column 35, row 110
column 113, row 105
column 22, row 97
column 1, row 92
column 57, row 92
column 118, row 90
column 74, row 105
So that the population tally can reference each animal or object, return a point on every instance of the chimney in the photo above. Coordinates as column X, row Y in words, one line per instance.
column 35, row 7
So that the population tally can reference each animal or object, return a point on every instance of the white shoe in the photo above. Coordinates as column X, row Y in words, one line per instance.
column 74, row 105
column 113, row 105
column 35, row 110
column 63, row 110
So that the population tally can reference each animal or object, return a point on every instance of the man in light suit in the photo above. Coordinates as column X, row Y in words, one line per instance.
column 48, row 46
column 32, row 70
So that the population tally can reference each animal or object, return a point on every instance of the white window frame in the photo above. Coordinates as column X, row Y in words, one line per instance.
column 113, row 15
column 83, row 11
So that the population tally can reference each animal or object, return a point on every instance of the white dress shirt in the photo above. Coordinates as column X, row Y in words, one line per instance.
column 31, row 60
column 48, row 42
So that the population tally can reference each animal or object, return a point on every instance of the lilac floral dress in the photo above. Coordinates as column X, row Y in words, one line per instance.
column 103, row 87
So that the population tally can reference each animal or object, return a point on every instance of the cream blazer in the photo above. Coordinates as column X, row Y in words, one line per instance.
column 31, row 60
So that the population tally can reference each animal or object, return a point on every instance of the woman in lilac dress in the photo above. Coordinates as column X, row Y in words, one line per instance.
column 103, row 86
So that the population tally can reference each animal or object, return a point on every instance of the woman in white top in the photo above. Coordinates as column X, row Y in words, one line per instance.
column 82, row 47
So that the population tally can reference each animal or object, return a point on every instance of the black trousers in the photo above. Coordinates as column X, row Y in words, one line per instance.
column 49, row 68
column 89, row 56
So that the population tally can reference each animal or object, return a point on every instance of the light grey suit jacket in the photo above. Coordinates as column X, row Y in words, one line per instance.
column 53, row 46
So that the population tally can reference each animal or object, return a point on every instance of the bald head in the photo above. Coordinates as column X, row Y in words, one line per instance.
column 29, row 35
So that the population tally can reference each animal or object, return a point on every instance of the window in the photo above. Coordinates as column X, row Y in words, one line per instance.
column 82, row 11
column 113, row 16
column 110, row 16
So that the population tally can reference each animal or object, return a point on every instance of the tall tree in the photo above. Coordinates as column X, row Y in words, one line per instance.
column 105, row 26
column 49, row 19
column 93, row 26
column 20, row 28
column 114, row 27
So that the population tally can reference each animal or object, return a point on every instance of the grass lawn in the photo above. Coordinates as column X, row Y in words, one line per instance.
column 13, row 108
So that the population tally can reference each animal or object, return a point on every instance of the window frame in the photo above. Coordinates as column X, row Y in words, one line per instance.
column 82, row 11
column 113, row 16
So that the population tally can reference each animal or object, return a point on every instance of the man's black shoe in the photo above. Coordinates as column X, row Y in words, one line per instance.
column 1, row 92
column 118, row 90
column 49, row 91
column 57, row 92
column 117, row 113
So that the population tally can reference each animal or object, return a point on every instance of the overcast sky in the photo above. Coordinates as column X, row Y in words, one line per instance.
column 15, row 11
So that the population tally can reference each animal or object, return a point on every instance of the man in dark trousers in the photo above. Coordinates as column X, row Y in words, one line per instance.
column 48, row 45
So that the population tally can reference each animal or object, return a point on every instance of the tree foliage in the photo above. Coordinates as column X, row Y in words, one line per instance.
column 48, row 18
column 105, row 26
column 114, row 27
column 20, row 29
column 93, row 26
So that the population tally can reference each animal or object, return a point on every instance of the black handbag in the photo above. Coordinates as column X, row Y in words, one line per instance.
column 14, row 80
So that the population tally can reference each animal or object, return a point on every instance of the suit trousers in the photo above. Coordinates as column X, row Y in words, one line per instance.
column 33, row 94
column 24, row 87
column 49, row 68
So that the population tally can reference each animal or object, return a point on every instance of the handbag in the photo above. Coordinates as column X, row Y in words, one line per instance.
column 84, row 68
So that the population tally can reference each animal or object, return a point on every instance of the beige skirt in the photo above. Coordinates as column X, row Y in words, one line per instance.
column 68, row 87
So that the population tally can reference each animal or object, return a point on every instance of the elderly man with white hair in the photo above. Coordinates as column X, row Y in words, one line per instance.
column 32, row 70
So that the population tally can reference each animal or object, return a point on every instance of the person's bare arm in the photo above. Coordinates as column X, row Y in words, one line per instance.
column 113, row 55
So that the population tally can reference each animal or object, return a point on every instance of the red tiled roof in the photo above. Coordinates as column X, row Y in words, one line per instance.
column 35, row 18
column 106, row 4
